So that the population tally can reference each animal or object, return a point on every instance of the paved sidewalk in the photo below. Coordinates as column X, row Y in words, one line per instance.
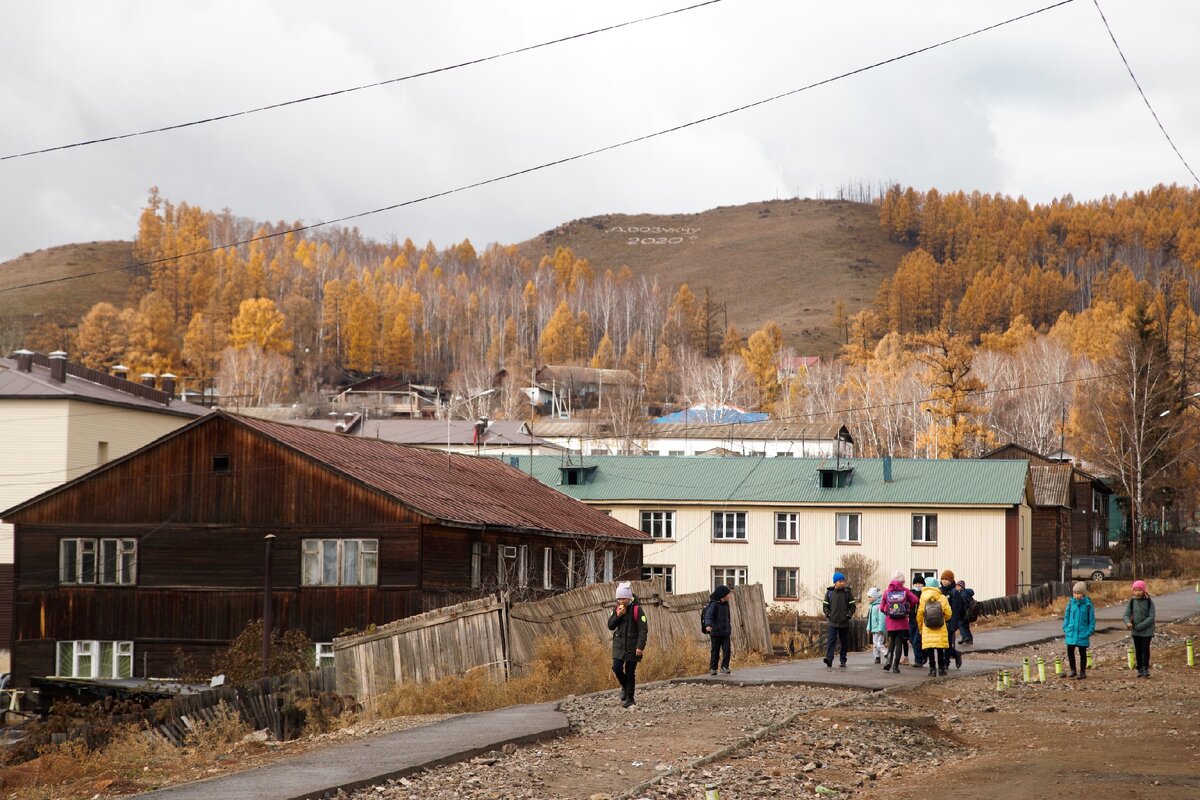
column 354, row 764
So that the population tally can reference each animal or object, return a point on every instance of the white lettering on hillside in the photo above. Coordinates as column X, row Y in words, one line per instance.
column 673, row 235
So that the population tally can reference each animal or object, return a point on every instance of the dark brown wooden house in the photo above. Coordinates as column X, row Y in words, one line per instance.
column 1070, row 515
column 164, row 549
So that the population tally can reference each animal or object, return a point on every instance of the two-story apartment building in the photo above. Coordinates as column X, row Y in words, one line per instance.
column 789, row 523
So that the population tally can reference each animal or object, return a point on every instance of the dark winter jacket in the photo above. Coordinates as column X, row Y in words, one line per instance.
column 629, row 632
column 1140, row 613
column 958, row 605
column 716, row 614
column 839, row 606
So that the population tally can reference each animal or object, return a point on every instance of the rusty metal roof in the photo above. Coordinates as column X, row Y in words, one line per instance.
column 1051, row 484
column 456, row 489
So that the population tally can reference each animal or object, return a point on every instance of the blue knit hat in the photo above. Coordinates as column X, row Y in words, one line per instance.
column 837, row 576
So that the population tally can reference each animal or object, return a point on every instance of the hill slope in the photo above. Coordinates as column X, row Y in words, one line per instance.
column 786, row 260
column 64, row 301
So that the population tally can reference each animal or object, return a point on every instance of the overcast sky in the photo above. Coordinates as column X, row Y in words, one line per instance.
column 1042, row 107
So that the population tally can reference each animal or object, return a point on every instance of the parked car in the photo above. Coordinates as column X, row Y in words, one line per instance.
column 1091, row 568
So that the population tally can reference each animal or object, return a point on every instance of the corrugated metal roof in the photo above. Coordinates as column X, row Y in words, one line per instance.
column 37, row 384
column 1051, row 484
column 453, row 488
column 916, row 482
column 768, row 430
column 432, row 432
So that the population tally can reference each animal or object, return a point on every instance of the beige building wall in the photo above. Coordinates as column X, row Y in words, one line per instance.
column 971, row 542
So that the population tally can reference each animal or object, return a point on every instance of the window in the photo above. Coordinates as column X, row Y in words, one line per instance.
column 523, row 566
column 729, row 525
column 111, row 562
column 674, row 452
column 589, row 567
column 91, row 659
column 476, row 564
column 848, row 528
column 924, row 529
column 928, row 576
column 220, row 464
column 547, row 567
column 101, row 452
column 324, row 654
column 343, row 562
column 787, row 583
column 728, row 576
column 570, row 569
column 659, row 524
column 666, row 573
column 787, row 527
column 608, row 566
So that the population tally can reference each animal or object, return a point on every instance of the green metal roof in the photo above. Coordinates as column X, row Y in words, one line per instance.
column 919, row 482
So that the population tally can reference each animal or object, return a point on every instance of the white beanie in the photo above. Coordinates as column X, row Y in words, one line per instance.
column 624, row 590
column 898, row 575
column 873, row 592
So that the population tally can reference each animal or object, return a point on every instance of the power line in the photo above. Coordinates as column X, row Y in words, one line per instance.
column 364, row 86
column 1145, row 99
column 554, row 163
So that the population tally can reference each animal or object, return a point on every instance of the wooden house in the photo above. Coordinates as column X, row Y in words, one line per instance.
column 165, row 549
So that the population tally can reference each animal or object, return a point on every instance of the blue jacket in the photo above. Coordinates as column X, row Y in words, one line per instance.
column 1079, row 622
column 876, row 621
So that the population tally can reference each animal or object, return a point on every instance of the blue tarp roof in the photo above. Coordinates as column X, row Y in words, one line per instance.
column 714, row 414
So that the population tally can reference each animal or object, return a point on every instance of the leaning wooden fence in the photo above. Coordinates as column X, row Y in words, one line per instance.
column 496, row 634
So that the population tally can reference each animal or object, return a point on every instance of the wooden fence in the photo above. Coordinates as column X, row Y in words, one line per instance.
column 495, row 634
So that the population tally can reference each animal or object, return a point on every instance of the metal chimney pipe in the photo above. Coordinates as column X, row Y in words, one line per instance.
column 24, row 360
column 58, row 366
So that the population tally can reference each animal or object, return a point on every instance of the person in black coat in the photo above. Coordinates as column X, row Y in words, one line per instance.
column 719, row 629
column 629, row 633
column 958, row 612
column 914, row 630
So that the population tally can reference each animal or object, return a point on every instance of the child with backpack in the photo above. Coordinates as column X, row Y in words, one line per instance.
column 895, row 606
column 630, row 630
column 716, row 623
column 933, row 617
column 838, row 608
column 875, row 623
column 1079, row 622
column 1139, row 619
column 970, row 613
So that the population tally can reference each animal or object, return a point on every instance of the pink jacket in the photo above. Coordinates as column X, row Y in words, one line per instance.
column 912, row 599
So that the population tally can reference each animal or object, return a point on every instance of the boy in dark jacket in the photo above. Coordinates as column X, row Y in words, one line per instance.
column 719, row 629
column 914, row 630
column 964, row 627
column 958, row 612
column 628, row 624
column 838, row 609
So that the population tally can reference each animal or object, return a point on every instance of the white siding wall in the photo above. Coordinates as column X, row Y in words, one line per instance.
column 970, row 542
column 771, row 448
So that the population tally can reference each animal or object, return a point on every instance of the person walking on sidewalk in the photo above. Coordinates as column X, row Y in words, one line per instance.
column 933, row 615
column 964, row 627
column 838, row 608
column 876, row 627
column 628, row 624
column 1079, row 623
column 958, row 611
column 896, row 606
column 914, row 628
column 719, row 629
column 1139, row 619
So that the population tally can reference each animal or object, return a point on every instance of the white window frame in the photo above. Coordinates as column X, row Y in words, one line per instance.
column 659, row 523
column 323, row 651
column 547, row 567
column 729, row 519
column 313, row 552
column 608, row 566
column 924, row 537
column 589, row 567
column 664, row 571
column 843, row 534
column 570, row 569
column 790, row 523
column 523, row 566
column 95, row 551
column 928, row 576
column 794, row 579
column 87, row 658
column 730, row 576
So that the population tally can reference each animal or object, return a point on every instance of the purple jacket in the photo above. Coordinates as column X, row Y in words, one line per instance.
column 912, row 599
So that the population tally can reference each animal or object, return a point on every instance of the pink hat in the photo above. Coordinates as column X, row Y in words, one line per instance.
column 1139, row 585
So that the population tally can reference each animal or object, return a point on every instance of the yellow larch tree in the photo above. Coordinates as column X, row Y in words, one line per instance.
column 259, row 322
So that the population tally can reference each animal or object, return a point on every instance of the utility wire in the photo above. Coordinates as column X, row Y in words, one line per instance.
column 351, row 89
column 556, row 162
column 1145, row 99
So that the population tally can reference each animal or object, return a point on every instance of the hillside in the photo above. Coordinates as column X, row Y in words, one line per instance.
column 64, row 301
column 786, row 260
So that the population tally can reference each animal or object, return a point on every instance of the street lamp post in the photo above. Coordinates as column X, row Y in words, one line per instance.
column 453, row 404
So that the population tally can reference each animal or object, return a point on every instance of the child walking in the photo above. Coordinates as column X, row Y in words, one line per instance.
column 875, row 623
column 896, row 605
column 628, row 624
column 1079, row 623
column 934, row 625
column 1139, row 619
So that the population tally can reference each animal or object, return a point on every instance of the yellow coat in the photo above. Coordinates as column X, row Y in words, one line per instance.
column 934, row 637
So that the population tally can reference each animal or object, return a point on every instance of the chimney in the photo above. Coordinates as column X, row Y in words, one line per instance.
column 149, row 379
column 58, row 366
column 168, row 384
column 24, row 360
column 887, row 469
column 121, row 371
